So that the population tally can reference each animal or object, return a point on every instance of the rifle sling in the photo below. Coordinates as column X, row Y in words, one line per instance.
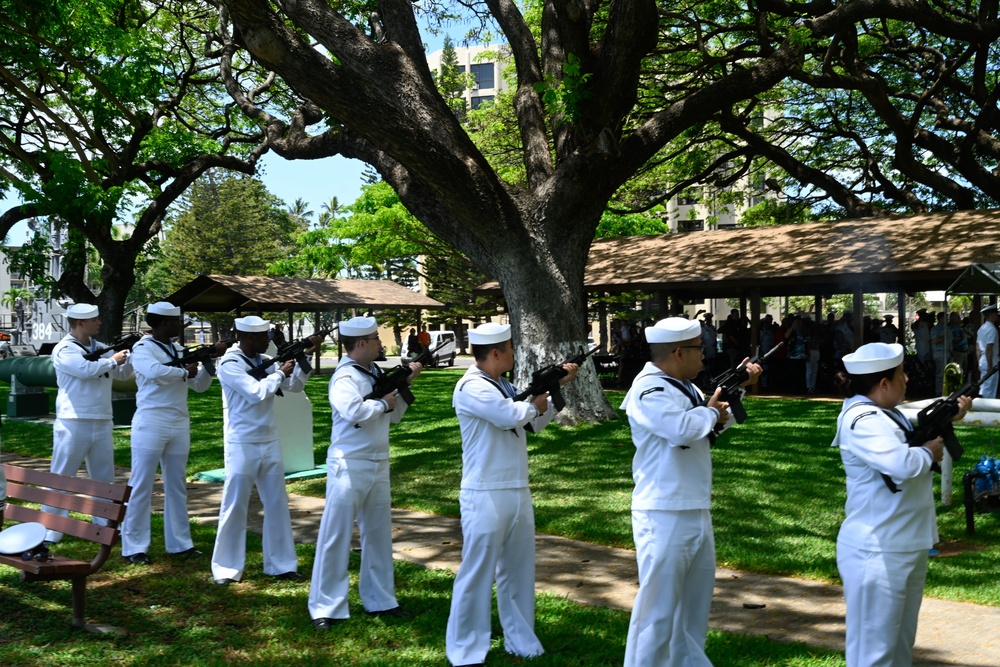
column 89, row 351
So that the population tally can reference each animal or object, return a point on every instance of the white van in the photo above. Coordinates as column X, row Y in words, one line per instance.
column 445, row 340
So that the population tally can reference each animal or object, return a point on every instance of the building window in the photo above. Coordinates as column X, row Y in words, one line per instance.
column 483, row 73
column 479, row 101
column 687, row 198
column 729, row 224
column 691, row 225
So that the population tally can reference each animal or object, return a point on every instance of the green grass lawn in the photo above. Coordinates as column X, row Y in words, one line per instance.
column 778, row 502
column 175, row 616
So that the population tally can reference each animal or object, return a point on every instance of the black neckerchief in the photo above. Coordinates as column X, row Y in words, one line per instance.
column 902, row 422
column 688, row 390
column 367, row 372
column 166, row 347
column 503, row 392
column 370, row 375
column 94, row 343
column 251, row 365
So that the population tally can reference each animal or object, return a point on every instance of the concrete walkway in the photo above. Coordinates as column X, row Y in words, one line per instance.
column 950, row 633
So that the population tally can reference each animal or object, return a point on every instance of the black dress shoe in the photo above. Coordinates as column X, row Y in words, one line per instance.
column 224, row 581
column 289, row 576
column 395, row 612
column 137, row 559
column 325, row 624
column 187, row 553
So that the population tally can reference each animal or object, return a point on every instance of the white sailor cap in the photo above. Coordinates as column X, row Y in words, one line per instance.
column 252, row 324
column 164, row 308
column 22, row 537
column 673, row 330
column 358, row 326
column 82, row 311
column 990, row 308
column 489, row 333
column 873, row 358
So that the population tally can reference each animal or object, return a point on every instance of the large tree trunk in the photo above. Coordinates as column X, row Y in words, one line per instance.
column 118, row 277
column 533, row 236
column 547, row 329
column 543, row 284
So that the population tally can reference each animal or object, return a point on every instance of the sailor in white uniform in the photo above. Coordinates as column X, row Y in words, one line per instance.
column 161, row 435
column 883, row 544
column 988, row 350
column 357, row 483
column 673, row 427
column 83, row 426
column 498, row 521
column 253, row 456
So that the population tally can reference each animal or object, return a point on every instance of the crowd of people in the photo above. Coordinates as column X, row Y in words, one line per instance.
column 812, row 353
column 882, row 546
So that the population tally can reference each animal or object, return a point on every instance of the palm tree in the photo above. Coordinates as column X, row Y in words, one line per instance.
column 330, row 211
column 10, row 297
column 300, row 213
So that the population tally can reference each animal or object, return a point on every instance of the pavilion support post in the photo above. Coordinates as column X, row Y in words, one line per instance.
column 754, row 319
column 818, row 307
column 754, row 328
column 318, row 354
column 743, row 305
column 602, row 326
column 901, row 318
column 859, row 309
column 663, row 304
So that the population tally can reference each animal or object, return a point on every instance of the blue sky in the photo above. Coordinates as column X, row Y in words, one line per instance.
column 313, row 181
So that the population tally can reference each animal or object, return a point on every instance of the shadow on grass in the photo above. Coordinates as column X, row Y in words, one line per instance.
column 174, row 615
column 778, row 491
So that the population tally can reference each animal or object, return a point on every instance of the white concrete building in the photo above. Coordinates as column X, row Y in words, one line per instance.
column 34, row 320
column 484, row 65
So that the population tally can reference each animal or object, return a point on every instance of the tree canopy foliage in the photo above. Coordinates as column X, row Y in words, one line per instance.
column 114, row 107
column 109, row 110
column 871, row 105
column 227, row 225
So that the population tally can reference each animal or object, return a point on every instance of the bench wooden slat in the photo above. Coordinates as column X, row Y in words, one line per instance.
column 21, row 487
column 110, row 490
column 84, row 504
column 57, row 565
column 86, row 530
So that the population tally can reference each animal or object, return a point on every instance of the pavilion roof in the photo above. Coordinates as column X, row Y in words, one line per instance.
column 216, row 293
column 913, row 253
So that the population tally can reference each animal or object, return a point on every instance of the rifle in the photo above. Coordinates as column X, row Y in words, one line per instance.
column 546, row 380
column 395, row 379
column 287, row 352
column 122, row 342
column 934, row 421
column 202, row 354
column 730, row 381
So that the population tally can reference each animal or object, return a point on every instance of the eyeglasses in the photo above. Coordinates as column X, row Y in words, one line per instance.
column 691, row 347
column 375, row 337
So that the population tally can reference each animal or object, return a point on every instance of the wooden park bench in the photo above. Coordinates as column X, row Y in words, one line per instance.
column 100, row 499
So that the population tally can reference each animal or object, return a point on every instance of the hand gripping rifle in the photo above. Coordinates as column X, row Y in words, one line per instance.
column 396, row 379
column 287, row 352
column 123, row 342
column 934, row 421
column 730, row 381
column 546, row 380
column 203, row 354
